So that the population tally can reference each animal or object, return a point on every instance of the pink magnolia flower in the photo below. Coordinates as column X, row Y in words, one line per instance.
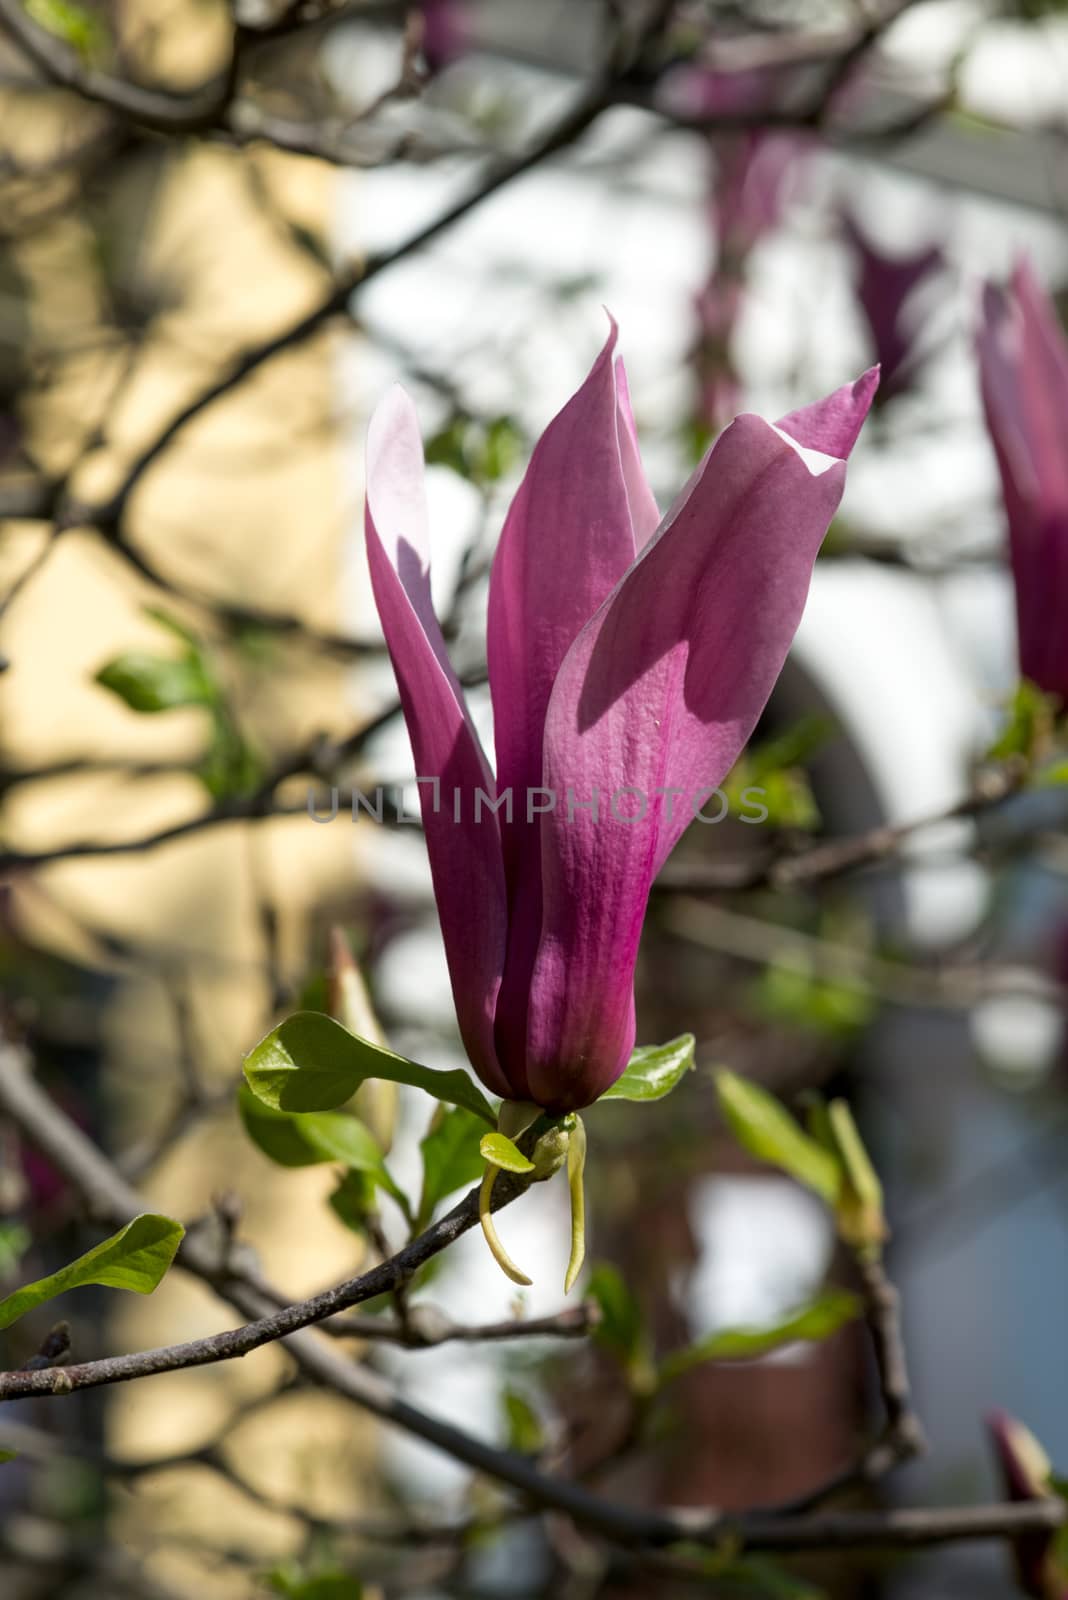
column 1023, row 365
column 886, row 286
column 446, row 32
column 1025, row 1472
column 748, row 187
column 629, row 659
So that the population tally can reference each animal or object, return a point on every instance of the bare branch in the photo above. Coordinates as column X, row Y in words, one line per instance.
column 191, row 112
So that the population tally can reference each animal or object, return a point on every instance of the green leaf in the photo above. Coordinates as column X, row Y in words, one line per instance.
column 72, row 23
column 311, row 1063
column 816, row 1320
column 135, row 1258
column 793, row 747
column 149, row 683
column 8, row 1455
column 621, row 1330
column 276, row 1133
column 525, row 1433
column 167, row 619
column 1053, row 776
column 480, row 451
column 451, row 1157
column 1031, row 718
column 231, row 768
column 15, row 1240
column 860, row 1215
column 748, row 1575
column 499, row 1149
column 764, row 1127
column 654, row 1070
column 353, row 1201
column 295, row 1139
column 326, row 1586
column 794, row 995
column 502, row 449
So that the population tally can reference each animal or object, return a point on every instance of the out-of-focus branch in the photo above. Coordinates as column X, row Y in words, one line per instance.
column 946, row 984
column 190, row 112
column 823, row 862
column 111, row 1199
column 427, row 1327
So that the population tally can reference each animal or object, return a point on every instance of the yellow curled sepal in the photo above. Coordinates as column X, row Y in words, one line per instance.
column 576, row 1163
column 563, row 1141
column 501, row 1154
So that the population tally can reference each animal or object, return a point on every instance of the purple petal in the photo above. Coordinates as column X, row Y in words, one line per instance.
column 568, row 538
column 465, row 856
column 644, row 511
column 1023, row 363
column 832, row 424
column 660, row 692
column 885, row 285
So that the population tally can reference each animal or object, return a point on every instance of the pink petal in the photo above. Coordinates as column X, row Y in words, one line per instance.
column 833, row 424
column 661, row 690
column 644, row 512
column 465, row 856
column 568, row 538
column 1023, row 363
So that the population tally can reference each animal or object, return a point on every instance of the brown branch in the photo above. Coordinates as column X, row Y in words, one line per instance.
column 823, row 862
column 110, row 1198
column 428, row 1327
column 190, row 112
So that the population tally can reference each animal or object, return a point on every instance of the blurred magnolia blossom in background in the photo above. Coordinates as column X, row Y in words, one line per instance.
column 888, row 293
column 1023, row 356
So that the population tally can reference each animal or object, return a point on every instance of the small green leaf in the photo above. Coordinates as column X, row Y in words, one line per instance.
column 326, row 1586
column 451, row 1156
column 654, row 1070
column 135, row 1258
column 311, row 1063
column 525, row 1432
column 860, row 1215
column 1031, row 717
column 499, row 1149
column 296, row 1139
column 816, row 1320
column 764, row 1127
column 796, row 996
column 748, row 1575
column 793, row 747
column 167, row 619
column 149, row 683
column 353, row 1201
column 1053, row 776
column 8, row 1455
column 72, row 23
column 482, row 452
column 621, row 1330
column 15, row 1240
column 230, row 768
column 276, row 1133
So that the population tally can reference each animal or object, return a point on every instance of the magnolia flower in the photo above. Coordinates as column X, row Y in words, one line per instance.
column 886, row 286
column 1026, row 1474
column 446, row 32
column 1023, row 365
column 630, row 657
column 749, row 183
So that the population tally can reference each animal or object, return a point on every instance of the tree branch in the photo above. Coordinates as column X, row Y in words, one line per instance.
column 111, row 1199
column 191, row 112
